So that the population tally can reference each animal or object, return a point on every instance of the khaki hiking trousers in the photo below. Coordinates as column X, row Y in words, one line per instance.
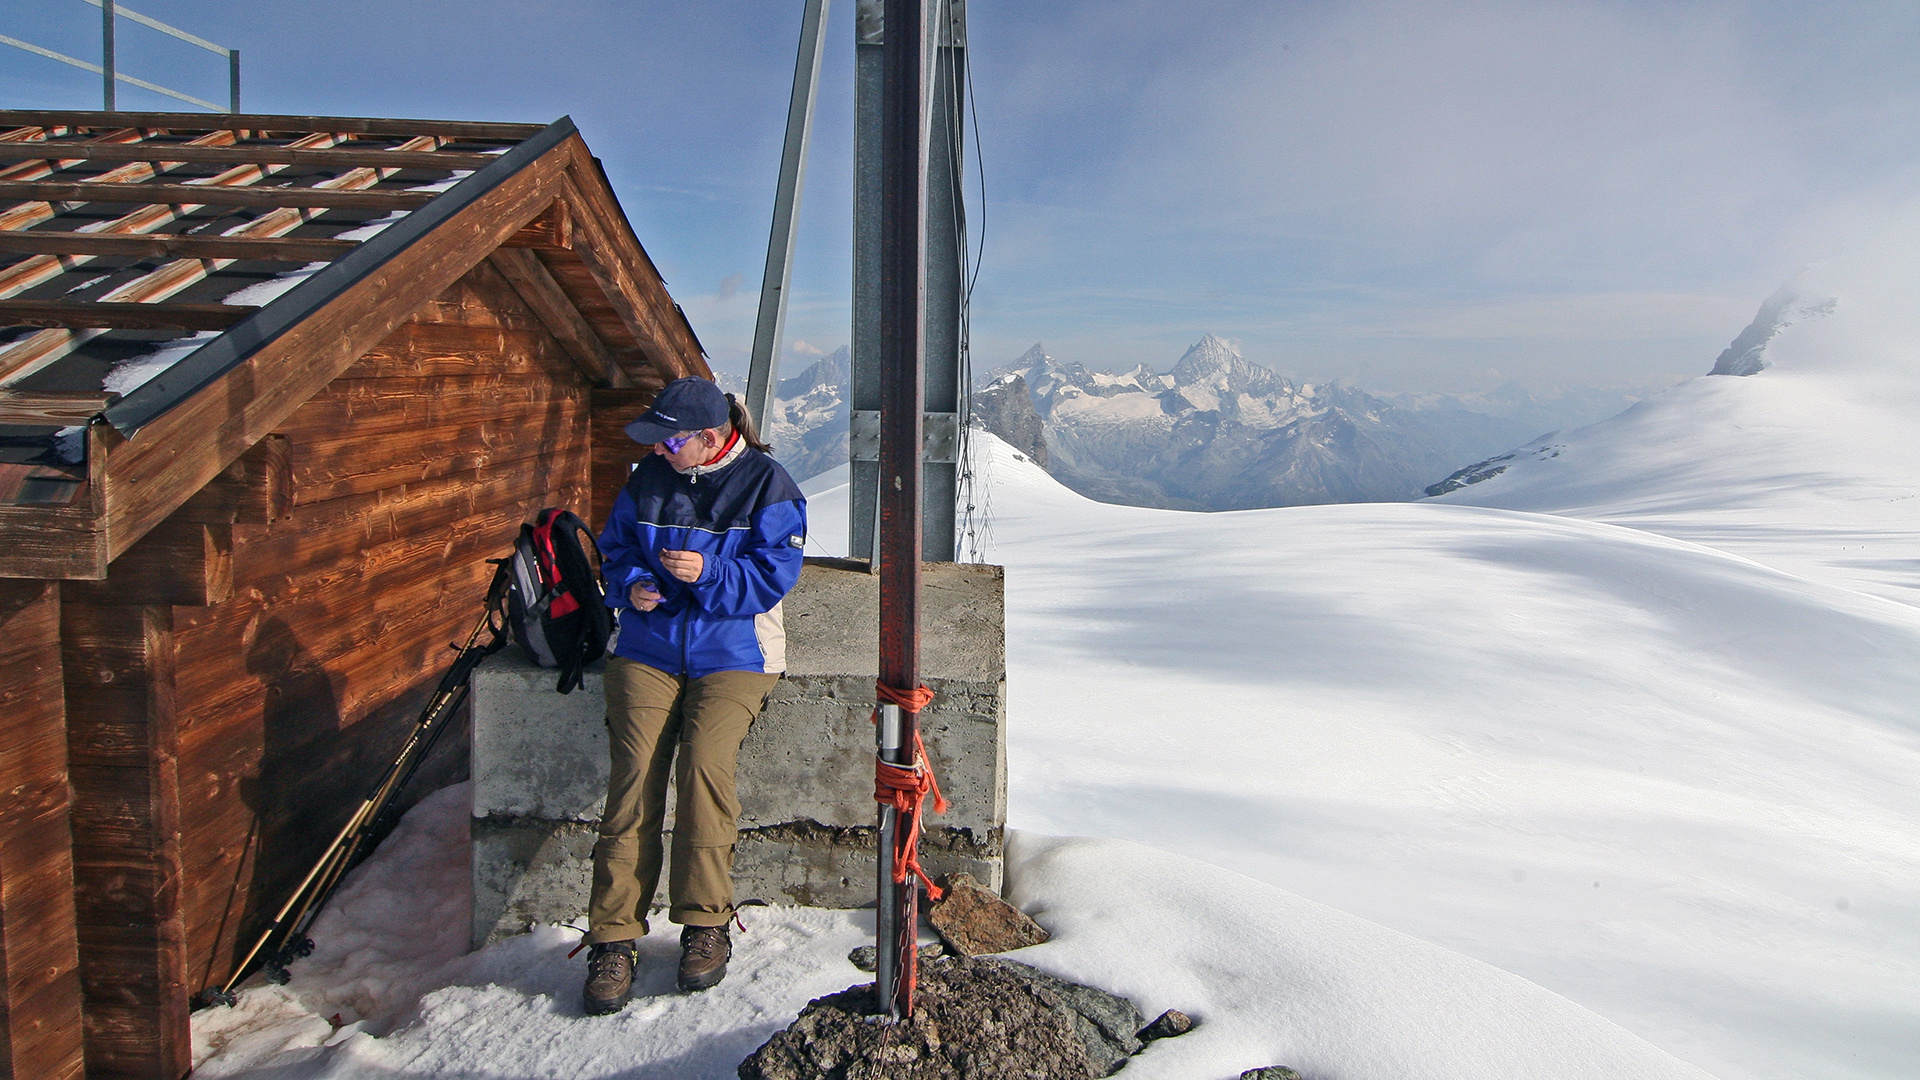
column 652, row 717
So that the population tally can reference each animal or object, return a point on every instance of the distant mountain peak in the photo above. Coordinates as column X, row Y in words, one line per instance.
column 1032, row 358
column 1214, row 362
column 1748, row 353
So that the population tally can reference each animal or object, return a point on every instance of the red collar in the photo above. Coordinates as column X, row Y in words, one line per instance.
column 722, row 452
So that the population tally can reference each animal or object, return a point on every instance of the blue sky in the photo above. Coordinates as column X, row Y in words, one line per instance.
column 1409, row 196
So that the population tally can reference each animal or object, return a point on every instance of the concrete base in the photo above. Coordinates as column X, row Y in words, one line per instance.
column 806, row 769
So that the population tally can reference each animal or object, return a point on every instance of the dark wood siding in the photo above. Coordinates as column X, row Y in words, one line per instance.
column 39, row 962
column 405, row 475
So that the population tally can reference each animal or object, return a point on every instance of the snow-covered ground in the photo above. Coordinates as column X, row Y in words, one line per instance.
column 1407, row 790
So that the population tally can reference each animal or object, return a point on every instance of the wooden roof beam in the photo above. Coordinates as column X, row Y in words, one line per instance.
column 52, row 408
column 66, row 541
column 451, row 129
column 609, row 249
column 98, row 190
column 551, row 231
column 247, row 155
column 535, row 284
column 32, row 353
column 40, row 269
column 183, row 447
column 182, row 562
column 87, row 314
column 174, row 246
column 30, row 213
column 45, row 166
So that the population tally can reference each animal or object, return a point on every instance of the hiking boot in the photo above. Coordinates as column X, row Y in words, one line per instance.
column 704, row 952
column 609, row 977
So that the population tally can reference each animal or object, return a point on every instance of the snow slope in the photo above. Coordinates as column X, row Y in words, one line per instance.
column 1811, row 464
column 1672, row 784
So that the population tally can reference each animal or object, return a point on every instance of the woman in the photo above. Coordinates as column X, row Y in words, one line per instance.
column 703, row 542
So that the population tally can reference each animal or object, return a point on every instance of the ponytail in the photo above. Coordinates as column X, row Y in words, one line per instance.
column 742, row 423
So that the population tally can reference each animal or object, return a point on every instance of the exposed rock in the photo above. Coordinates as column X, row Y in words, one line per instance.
column 1220, row 433
column 1006, row 409
column 1167, row 1025
column 807, row 420
column 1472, row 474
column 866, row 957
column 1270, row 1072
column 974, row 921
column 1106, row 1023
column 972, row 1020
column 1748, row 353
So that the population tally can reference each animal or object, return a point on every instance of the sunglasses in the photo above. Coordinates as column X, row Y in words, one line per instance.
column 676, row 442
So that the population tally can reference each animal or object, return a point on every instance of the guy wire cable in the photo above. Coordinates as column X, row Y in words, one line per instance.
column 975, row 494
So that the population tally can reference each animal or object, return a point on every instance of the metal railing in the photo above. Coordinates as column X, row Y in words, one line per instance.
column 110, row 11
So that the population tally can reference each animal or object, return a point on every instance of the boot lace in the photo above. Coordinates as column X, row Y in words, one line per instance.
column 609, row 961
column 705, row 942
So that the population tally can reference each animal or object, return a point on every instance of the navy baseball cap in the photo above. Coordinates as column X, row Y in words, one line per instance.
column 689, row 404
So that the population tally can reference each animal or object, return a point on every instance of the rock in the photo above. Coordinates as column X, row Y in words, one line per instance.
column 1006, row 409
column 1167, row 1025
column 865, row 957
column 1105, row 1022
column 974, row 921
column 1270, row 1072
column 972, row 1020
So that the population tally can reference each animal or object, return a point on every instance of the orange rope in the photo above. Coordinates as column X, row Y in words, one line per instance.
column 906, row 787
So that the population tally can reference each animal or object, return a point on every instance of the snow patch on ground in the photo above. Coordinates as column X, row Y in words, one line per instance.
column 1271, row 977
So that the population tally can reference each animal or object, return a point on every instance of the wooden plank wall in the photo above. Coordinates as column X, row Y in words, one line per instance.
column 614, row 455
column 40, row 1035
column 406, row 474
column 122, row 743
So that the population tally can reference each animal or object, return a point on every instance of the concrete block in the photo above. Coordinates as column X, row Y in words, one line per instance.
column 806, row 768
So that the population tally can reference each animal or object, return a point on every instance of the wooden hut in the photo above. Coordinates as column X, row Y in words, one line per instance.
column 272, row 390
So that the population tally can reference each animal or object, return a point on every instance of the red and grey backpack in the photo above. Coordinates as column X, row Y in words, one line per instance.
column 556, row 602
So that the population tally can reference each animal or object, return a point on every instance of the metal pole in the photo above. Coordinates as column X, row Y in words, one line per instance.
column 946, row 216
column 944, row 219
column 902, row 359
column 863, row 489
column 106, row 51
column 770, row 327
column 233, row 80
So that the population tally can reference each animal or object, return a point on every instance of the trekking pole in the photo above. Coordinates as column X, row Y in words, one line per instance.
column 452, row 690
column 336, row 859
column 447, row 699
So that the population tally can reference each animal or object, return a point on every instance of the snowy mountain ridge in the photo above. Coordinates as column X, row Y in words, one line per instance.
column 1218, row 432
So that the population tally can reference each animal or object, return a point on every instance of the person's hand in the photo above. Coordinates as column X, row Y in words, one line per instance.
column 685, row 565
column 642, row 596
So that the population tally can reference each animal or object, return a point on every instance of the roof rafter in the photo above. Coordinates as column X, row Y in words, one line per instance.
column 102, row 190
column 36, row 351
column 246, row 155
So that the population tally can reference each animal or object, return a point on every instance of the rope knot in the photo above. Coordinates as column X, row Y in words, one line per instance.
column 906, row 787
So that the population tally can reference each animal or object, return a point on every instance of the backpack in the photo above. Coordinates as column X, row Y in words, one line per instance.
column 556, row 603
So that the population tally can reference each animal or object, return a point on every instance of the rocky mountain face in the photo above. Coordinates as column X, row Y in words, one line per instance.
column 1220, row 433
column 1216, row 432
column 1005, row 408
column 807, row 422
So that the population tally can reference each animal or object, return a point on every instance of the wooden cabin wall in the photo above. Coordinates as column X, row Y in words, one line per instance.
column 407, row 473
column 237, row 715
column 122, row 742
column 40, row 1033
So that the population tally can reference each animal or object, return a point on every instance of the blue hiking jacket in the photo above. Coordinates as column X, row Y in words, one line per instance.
column 746, row 516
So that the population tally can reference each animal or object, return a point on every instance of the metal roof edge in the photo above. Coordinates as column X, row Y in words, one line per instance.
column 202, row 367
